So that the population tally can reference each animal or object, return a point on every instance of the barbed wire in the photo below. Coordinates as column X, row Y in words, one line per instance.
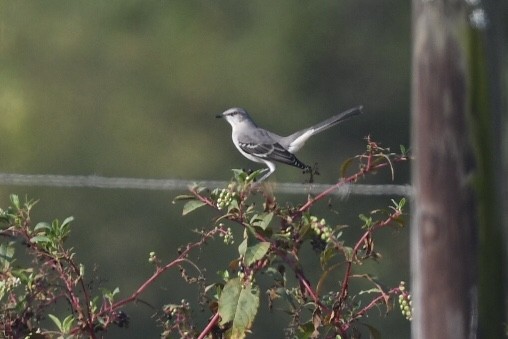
column 94, row 181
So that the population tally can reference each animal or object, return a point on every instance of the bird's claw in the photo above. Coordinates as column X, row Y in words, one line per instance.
column 312, row 171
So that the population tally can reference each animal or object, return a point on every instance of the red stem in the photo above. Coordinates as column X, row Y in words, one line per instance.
column 181, row 258
column 353, row 178
column 347, row 274
column 211, row 324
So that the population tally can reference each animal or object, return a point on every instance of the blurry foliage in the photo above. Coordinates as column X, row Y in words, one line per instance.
column 274, row 235
column 130, row 88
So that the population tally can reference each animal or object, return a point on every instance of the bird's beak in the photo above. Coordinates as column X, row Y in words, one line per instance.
column 218, row 116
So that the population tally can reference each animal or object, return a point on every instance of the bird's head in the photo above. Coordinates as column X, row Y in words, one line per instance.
column 235, row 116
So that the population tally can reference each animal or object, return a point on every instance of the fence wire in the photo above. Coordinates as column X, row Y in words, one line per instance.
column 94, row 181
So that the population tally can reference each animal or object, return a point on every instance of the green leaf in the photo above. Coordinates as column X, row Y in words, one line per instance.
column 63, row 230
column 239, row 174
column 306, row 330
column 110, row 295
column 67, row 323
column 402, row 203
column 6, row 254
column 348, row 253
column 233, row 205
column 15, row 201
column 243, row 177
column 42, row 225
column 40, row 238
column 67, row 220
column 184, row 197
column 367, row 221
column 223, row 274
column 256, row 252
column 238, row 305
column 56, row 321
column 93, row 304
column 399, row 205
column 242, row 248
column 345, row 166
column 24, row 275
column 254, row 175
column 262, row 221
column 191, row 206
column 64, row 326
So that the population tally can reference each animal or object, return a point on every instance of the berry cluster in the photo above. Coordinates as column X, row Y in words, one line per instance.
column 178, row 319
column 121, row 319
column 320, row 228
column 152, row 257
column 173, row 310
column 227, row 234
column 405, row 302
column 226, row 196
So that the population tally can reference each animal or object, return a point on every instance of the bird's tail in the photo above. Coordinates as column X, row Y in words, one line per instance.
column 296, row 140
column 330, row 122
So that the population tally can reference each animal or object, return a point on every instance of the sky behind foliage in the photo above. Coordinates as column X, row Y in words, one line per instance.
column 130, row 88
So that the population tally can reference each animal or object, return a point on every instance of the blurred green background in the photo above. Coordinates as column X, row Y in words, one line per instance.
column 131, row 88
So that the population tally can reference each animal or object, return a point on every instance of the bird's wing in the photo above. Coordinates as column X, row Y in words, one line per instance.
column 265, row 145
column 272, row 152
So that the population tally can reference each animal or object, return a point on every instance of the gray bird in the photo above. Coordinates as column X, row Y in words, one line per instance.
column 260, row 145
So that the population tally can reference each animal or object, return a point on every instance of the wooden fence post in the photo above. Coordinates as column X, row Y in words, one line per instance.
column 444, row 212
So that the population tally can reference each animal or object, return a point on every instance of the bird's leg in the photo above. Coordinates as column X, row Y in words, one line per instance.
column 270, row 167
column 257, row 184
column 315, row 169
column 260, row 171
column 270, row 171
column 312, row 171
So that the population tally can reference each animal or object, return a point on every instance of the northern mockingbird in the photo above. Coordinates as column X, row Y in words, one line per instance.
column 260, row 145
